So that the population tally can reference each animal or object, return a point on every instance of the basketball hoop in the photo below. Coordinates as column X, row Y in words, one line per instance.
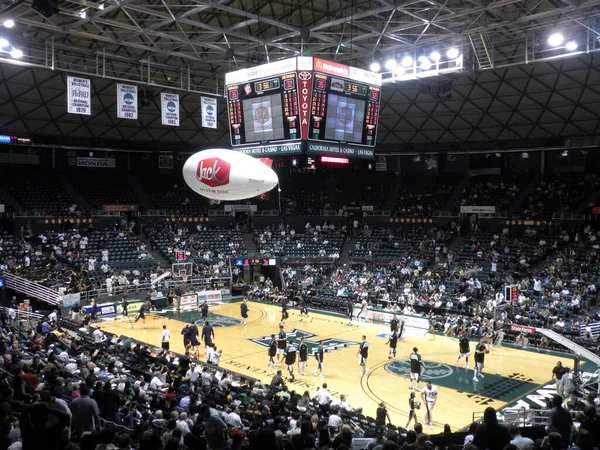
column 184, row 277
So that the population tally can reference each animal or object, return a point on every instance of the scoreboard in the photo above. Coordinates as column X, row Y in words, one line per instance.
column 264, row 111
column 303, row 104
column 343, row 111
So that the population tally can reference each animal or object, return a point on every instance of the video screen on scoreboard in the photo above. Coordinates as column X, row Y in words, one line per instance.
column 263, row 118
column 345, row 119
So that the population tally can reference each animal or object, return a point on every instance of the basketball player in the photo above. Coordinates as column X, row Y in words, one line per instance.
column 142, row 314
column 272, row 352
column 416, row 365
column 284, row 313
column 431, row 329
column 204, row 310
column 412, row 409
column 166, row 338
column 281, row 344
column 480, row 352
column 208, row 334
column 193, row 335
column 319, row 356
column 290, row 358
column 464, row 348
column 363, row 352
column 124, row 311
column 185, row 332
column 401, row 326
column 362, row 315
column 303, row 307
column 394, row 324
column 429, row 394
column 303, row 353
column 350, row 312
column 393, row 342
column 244, row 310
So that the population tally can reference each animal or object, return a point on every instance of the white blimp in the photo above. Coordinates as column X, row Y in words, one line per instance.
column 221, row 174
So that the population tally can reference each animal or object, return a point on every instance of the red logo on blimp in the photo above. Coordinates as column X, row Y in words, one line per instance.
column 213, row 172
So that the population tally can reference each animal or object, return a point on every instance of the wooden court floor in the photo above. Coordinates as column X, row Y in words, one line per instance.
column 509, row 373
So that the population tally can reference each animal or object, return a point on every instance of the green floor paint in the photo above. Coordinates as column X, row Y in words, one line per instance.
column 492, row 386
column 215, row 320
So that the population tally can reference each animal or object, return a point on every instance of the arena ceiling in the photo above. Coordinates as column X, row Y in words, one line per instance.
column 516, row 87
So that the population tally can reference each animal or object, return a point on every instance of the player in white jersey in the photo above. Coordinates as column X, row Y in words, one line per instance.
column 362, row 315
column 429, row 394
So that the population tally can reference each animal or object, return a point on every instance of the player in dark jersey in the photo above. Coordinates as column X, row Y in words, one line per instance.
column 401, row 326
column 284, row 313
column 185, row 332
column 272, row 352
column 393, row 342
column 416, row 365
column 244, row 310
column 413, row 405
column 290, row 358
column 204, row 311
column 319, row 355
column 363, row 352
column 303, row 354
column 142, row 314
column 350, row 312
column 464, row 348
column 303, row 307
column 480, row 352
column 208, row 334
column 194, row 341
column 281, row 343
column 124, row 305
column 394, row 324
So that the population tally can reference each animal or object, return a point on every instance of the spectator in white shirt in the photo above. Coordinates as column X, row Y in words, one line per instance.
column 233, row 419
column 334, row 419
column 323, row 396
column 519, row 441
column 182, row 424
column 156, row 383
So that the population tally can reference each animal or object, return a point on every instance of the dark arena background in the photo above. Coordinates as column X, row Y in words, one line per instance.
column 436, row 218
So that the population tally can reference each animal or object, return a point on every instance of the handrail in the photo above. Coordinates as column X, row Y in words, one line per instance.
column 31, row 288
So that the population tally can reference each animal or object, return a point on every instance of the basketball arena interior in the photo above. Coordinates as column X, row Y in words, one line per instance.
column 362, row 224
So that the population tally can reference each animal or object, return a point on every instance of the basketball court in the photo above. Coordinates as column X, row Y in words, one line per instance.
column 510, row 374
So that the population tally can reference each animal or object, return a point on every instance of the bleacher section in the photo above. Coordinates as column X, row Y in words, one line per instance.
column 303, row 194
column 103, row 187
column 172, row 194
column 36, row 189
column 313, row 243
column 361, row 189
column 499, row 191
column 421, row 197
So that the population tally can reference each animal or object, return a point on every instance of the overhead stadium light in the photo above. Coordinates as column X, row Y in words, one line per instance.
column 16, row 53
column 4, row 43
column 452, row 53
column 425, row 64
column 555, row 39
column 571, row 46
column 9, row 23
column 399, row 70
column 435, row 56
column 375, row 67
column 407, row 61
column 390, row 64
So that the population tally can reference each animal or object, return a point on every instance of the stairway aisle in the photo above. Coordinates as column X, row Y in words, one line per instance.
column 347, row 247
column 77, row 196
column 248, row 240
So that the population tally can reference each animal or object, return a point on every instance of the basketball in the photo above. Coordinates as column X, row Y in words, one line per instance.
column 487, row 351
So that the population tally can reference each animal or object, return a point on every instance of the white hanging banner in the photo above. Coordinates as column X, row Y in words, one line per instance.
column 209, row 112
column 127, row 101
column 169, row 104
column 79, row 96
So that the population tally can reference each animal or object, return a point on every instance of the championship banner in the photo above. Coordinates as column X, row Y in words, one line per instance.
column 169, row 106
column 522, row 329
column 127, row 101
column 209, row 112
column 119, row 208
column 79, row 96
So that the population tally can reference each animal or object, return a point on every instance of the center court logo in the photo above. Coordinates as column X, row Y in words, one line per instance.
column 434, row 371
column 295, row 335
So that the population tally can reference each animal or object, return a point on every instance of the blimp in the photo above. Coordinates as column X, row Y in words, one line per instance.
column 226, row 175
